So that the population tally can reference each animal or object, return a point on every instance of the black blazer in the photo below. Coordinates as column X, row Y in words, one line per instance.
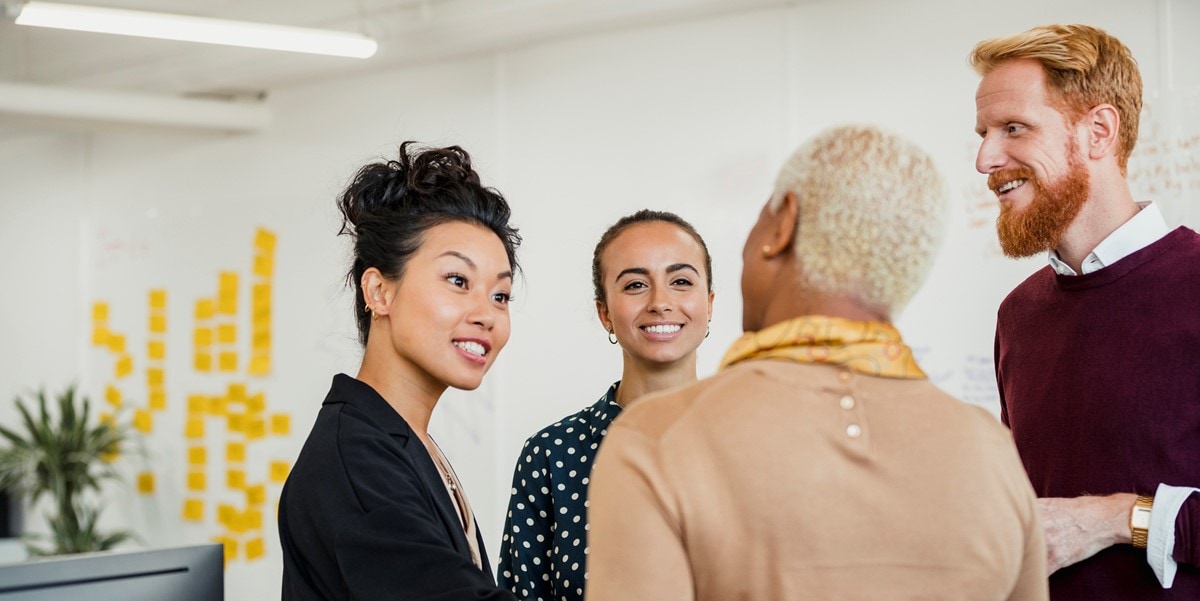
column 364, row 513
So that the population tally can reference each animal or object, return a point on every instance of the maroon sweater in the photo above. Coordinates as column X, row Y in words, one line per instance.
column 1099, row 380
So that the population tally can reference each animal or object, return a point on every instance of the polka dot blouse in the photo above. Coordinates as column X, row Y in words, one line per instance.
column 544, row 550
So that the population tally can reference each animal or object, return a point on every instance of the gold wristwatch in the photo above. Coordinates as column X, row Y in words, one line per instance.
column 1139, row 520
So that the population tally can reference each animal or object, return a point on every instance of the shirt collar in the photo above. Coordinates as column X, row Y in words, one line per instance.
column 1143, row 229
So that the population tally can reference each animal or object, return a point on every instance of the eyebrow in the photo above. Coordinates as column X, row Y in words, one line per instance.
column 465, row 259
column 646, row 272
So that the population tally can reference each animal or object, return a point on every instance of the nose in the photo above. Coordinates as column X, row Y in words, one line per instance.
column 659, row 301
column 990, row 158
column 483, row 313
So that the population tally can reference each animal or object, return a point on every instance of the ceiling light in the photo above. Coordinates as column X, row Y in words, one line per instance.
column 194, row 29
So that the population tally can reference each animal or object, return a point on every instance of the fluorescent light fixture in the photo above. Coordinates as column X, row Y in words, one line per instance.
column 194, row 29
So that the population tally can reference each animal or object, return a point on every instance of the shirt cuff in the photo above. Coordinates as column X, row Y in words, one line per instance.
column 1160, row 544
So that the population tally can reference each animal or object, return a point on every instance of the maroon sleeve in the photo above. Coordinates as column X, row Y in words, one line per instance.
column 1187, row 532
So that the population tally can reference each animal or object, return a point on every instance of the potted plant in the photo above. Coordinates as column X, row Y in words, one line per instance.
column 64, row 460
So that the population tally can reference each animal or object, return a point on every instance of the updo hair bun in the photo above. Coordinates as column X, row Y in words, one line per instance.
column 390, row 204
column 394, row 185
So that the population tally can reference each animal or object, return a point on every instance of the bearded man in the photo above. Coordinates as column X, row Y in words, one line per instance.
column 1097, row 354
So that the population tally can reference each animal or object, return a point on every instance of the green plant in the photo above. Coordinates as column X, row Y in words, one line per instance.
column 63, row 460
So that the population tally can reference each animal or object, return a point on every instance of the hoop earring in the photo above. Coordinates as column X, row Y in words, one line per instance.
column 612, row 337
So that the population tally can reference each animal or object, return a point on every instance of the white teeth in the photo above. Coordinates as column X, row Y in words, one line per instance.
column 1009, row 186
column 471, row 347
column 663, row 329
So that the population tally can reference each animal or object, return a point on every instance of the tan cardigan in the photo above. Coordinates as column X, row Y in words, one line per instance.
column 780, row 480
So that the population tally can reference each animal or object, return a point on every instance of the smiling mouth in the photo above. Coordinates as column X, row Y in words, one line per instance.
column 663, row 329
column 471, row 347
column 1009, row 186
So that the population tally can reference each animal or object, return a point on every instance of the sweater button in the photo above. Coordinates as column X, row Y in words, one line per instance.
column 847, row 402
column 853, row 431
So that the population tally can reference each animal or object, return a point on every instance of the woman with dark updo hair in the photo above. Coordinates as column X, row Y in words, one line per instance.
column 372, row 508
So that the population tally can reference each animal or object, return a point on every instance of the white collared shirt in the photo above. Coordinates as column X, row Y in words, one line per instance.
column 1142, row 230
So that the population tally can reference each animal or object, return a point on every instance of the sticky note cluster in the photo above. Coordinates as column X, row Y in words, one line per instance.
column 260, row 301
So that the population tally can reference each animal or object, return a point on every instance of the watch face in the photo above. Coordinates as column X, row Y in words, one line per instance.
column 1140, row 517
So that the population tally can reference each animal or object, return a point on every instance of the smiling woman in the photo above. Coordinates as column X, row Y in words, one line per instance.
column 372, row 508
column 653, row 283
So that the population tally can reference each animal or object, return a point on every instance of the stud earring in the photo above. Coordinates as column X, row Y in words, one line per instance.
column 766, row 249
column 612, row 337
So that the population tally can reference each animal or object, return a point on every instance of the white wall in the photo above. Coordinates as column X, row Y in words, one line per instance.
column 692, row 117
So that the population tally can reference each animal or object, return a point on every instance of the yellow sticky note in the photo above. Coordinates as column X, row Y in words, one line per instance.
column 116, row 343
column 203, row 362
column 260, row 295
column 193, row 510
column 202, row 337
column 145, row 483
column 228, row 361
column 235, row 452
column 237, row 422
column 206, row 308
column 260, row 365
column 194, row 428
column 156, row 350
column 254, row 549
column 231, row 548
column 226, row 514
column 154, row 377
column 256, row 495
column 124, row 366
column 158, row 399
column 252, row 519
column 143, row 421
column 257, row 403
column 279, row 471
column 100, row 336
column 237, row 523
column 237, row 392
column 158, row 299
column 264, row 240
column 227, row 288
column 197, row 455
column 227, row 333
column 260, row 338
column 158, row 324
column 235, row 479
column 217, row 405
column 197, row 404
column 281, row 424
column 197, row 481
column 256, row 428
column 99, row 312
column 264, row 265
column 112, row 394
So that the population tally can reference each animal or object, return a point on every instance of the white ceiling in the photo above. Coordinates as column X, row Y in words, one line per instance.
column 408, row 31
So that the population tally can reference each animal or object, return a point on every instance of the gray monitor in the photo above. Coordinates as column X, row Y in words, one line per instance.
column 195, row 573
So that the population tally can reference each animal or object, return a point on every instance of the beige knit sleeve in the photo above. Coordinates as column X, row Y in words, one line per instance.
column 636, row 551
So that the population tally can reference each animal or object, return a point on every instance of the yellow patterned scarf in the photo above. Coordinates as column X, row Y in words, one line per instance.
column 867, row 347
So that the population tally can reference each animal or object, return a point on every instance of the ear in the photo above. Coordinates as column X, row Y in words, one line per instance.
column 602, row 313
column 783, row 227
column 376, row 291
column 1102, row 124
column 711, row 296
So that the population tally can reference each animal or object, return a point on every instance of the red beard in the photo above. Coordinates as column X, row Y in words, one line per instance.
column 1041, row 225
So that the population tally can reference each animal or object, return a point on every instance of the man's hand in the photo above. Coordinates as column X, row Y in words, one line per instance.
column 1078, row 528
